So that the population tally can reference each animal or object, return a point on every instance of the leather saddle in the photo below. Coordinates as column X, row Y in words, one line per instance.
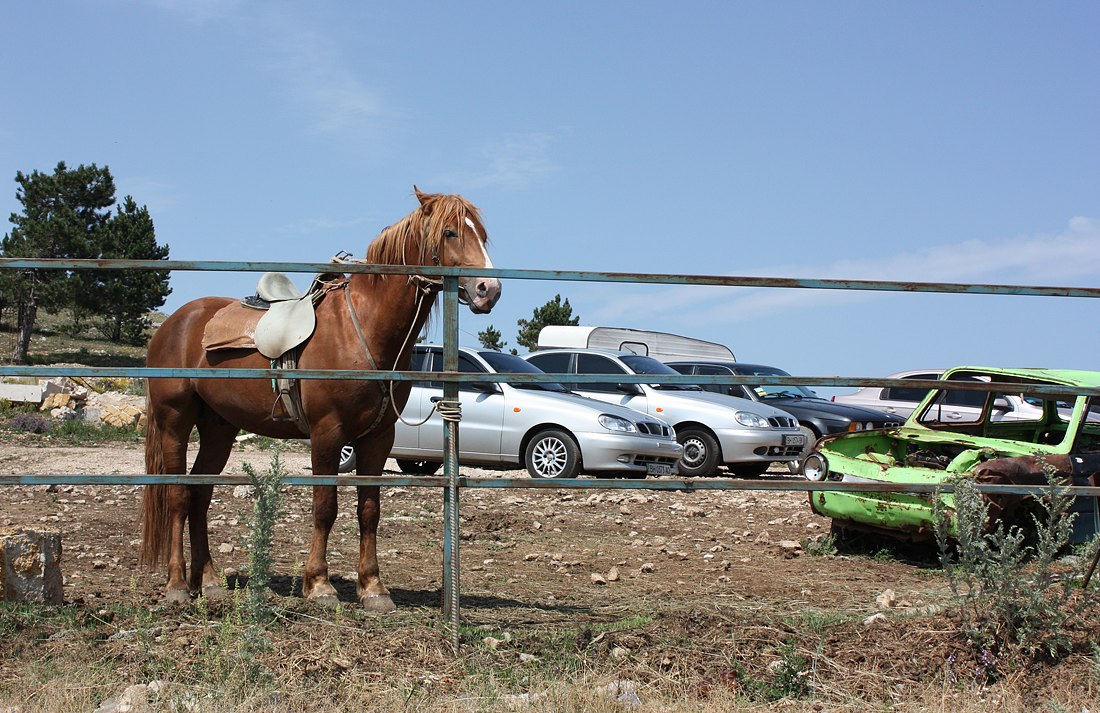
column 278, row 318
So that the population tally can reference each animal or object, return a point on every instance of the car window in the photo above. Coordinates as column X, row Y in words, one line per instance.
column 467, row 365
column 648, row 365
column 907, row 393
column 422, row 361
column 511, row 364
column 597, row 364
column 552, row 362
column 731, row 389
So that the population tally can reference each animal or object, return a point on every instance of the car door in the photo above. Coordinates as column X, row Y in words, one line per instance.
column 404, row 436
column 479, row 430
column 901, row 401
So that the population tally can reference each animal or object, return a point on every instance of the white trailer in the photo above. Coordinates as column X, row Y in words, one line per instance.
column 659, row 345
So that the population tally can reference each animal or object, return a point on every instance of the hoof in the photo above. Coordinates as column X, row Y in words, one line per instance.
column 214, row 593
column 177, row 596
column 329, row 601
column 378, row 602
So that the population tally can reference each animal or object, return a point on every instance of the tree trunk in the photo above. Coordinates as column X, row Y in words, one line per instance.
column 26, row 327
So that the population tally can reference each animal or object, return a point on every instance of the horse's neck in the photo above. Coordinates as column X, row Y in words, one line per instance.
column 391, row 311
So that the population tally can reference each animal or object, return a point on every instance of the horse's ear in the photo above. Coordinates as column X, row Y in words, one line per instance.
column 422, row 197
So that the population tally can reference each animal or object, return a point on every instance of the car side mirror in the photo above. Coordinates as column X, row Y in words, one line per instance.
column 630, row 389
column 1001, row 404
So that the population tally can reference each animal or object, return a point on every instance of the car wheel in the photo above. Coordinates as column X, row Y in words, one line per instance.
column 417, row 467
column 553, row 454
column 795, row 466
column 700, row 457
column 347, row 459
column 749, row 470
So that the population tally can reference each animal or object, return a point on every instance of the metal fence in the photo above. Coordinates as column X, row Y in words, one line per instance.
column 452, row 482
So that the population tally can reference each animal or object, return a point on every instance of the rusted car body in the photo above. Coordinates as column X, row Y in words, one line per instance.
column 1063, row 435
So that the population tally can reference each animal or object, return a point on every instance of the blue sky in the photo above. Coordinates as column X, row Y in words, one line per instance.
column 933, row 141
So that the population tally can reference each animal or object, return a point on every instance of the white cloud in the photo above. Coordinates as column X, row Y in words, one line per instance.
column 1068, row 258
column 198, row 11
column 316, row 77
column 512, row 161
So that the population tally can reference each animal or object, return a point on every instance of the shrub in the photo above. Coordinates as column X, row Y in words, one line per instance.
column 1009, row 593
column 29, row 423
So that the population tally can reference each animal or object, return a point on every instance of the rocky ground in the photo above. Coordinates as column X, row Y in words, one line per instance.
column 667, row 585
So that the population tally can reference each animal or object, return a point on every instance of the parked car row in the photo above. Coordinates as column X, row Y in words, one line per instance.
column 563, row 430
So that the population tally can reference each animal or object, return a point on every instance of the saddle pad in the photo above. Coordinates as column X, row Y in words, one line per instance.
column 231, row 327
column 284, row 326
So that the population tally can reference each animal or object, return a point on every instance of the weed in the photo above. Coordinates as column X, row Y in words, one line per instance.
column 80, row 432
column 266, row 507
column 29, row 423
column 1006, row 589
column 822, row 547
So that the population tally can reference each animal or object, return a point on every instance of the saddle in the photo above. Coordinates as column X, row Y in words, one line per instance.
column 275, row 321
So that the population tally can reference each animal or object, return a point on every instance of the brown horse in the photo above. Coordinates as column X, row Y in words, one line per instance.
column 372, row 325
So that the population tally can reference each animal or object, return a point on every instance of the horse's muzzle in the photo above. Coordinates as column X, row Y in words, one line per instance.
column 482, row 294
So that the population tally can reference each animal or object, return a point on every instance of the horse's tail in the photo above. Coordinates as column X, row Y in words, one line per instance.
column 154, row 502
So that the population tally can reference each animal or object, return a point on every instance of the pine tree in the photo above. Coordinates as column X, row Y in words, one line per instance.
column 554, row 312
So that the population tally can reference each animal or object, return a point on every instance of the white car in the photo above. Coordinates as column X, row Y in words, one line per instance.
column 954, row 406
column 543, row 427
column 714, row 428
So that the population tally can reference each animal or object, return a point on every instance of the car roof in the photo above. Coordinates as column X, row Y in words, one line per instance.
column 584, row 350
column 1070, row 377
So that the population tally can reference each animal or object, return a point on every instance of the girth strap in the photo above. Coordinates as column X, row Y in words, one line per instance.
column 385, row 405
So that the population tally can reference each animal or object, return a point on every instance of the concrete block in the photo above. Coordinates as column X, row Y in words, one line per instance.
column 30, row 565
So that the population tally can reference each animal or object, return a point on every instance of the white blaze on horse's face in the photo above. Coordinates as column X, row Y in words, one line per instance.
column 482, row 292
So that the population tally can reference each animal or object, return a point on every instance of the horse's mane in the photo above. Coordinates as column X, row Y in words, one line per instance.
column 436, row 211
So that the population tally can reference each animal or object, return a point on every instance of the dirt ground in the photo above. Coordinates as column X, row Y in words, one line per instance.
column 718, row 581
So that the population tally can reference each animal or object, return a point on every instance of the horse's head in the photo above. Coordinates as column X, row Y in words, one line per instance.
column 457, row 237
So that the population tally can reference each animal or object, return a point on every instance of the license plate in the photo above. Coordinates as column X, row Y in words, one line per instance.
column 794, row 439
column 658, row 469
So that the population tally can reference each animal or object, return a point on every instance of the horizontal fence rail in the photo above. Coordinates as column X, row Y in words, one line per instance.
column 452, row 482
column 686, row 485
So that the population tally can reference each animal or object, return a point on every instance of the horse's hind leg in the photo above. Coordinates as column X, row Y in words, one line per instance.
column 216, row 437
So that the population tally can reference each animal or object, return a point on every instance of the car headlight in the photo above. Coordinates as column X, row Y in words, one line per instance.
column 815, row 467
column 752, row 420
column 617, row 423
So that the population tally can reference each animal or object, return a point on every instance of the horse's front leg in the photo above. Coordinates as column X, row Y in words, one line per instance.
column 371, row 592
column 371, row 454
column 315, row 580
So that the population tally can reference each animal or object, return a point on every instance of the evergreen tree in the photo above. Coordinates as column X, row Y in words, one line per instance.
column 63, row 215
column 67, row 214
column 554, row 312
column 490, row 339
column 124, row 298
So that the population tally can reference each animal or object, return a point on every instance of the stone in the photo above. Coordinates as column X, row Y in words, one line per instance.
column 887, row 600
column 30, row 565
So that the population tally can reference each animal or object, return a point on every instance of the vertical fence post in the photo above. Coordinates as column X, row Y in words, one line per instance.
column 450, row 462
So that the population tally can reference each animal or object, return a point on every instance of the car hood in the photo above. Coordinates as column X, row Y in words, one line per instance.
column 820, row 407
column 558, row 400
column 718, row 403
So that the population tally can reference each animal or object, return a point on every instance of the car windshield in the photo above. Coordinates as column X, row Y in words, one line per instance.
column 774, row 391
column 511, row 364
column 648, row 365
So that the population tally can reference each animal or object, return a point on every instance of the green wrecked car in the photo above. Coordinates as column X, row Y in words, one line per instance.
column 959, row 432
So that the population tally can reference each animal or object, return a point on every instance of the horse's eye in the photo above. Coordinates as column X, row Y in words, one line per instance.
column 450, row 233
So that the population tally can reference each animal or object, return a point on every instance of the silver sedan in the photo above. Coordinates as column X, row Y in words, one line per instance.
column 543, row 427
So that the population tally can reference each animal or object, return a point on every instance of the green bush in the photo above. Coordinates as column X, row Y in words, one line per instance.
column 1010, row 594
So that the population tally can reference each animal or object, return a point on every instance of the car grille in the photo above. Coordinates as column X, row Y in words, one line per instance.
column 642, row 460
column 784, row 451
column 783, row 422
column 653, row 428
